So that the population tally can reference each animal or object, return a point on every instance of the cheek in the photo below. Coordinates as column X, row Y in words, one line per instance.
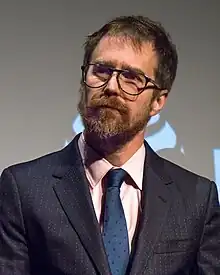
column 93, row 94
column 88, row 94
column 142, row 104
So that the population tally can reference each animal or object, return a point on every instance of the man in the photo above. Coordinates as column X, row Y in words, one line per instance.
column 106, row 203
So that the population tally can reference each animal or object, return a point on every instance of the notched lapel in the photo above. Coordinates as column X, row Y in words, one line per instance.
column 72, row 190
column 156, row 202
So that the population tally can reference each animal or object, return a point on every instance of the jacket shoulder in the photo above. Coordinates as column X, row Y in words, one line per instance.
column 186, row 181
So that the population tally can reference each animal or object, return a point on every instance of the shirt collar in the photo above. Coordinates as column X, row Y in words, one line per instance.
column 97, row 167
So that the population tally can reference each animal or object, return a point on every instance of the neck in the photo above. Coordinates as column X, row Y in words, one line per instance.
column 112, row 151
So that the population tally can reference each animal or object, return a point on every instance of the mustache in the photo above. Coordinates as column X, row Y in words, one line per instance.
column 110, row 102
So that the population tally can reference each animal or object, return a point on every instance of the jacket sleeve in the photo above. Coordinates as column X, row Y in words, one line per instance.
column 14, row 258
column 209, row 252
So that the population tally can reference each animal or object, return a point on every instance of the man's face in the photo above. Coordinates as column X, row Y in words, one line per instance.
column 108, row 111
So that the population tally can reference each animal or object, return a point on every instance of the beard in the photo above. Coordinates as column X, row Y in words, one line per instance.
column 108, row 121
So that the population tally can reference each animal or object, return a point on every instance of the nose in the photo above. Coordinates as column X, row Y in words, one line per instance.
column 112, row 87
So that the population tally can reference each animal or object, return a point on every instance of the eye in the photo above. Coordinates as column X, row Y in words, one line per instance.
column 130, row 75
column 101, row 70
column 133, row 78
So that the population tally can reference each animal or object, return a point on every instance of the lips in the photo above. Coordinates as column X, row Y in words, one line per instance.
column 117, row 106
column 109, row 107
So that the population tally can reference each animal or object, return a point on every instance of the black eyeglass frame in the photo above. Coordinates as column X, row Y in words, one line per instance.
column 119, row 71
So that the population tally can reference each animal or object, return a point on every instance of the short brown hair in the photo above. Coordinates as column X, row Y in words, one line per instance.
column 139, row 29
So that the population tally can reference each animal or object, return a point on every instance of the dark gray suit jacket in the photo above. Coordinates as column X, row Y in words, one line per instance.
column 48, row 224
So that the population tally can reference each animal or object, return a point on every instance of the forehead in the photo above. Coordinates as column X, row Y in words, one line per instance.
column 121, row 51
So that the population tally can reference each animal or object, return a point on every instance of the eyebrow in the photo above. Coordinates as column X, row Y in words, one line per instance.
column 123, row 66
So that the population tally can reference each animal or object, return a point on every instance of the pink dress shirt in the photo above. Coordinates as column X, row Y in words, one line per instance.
column 96, row 168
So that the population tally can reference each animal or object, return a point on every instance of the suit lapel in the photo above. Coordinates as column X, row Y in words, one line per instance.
column 72, row 190
column 156, row 199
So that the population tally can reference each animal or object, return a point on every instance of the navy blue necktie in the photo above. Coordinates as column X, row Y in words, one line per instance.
column 115, row 234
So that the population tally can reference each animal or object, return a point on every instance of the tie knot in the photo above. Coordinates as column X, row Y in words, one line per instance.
column 115, row 177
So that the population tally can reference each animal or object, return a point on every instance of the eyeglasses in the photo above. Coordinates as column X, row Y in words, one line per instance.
column 96, row 75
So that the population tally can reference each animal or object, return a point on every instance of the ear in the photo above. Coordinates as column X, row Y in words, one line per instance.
column 158, row 103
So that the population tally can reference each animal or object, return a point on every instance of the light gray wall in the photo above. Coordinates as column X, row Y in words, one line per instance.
column 40, row 57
